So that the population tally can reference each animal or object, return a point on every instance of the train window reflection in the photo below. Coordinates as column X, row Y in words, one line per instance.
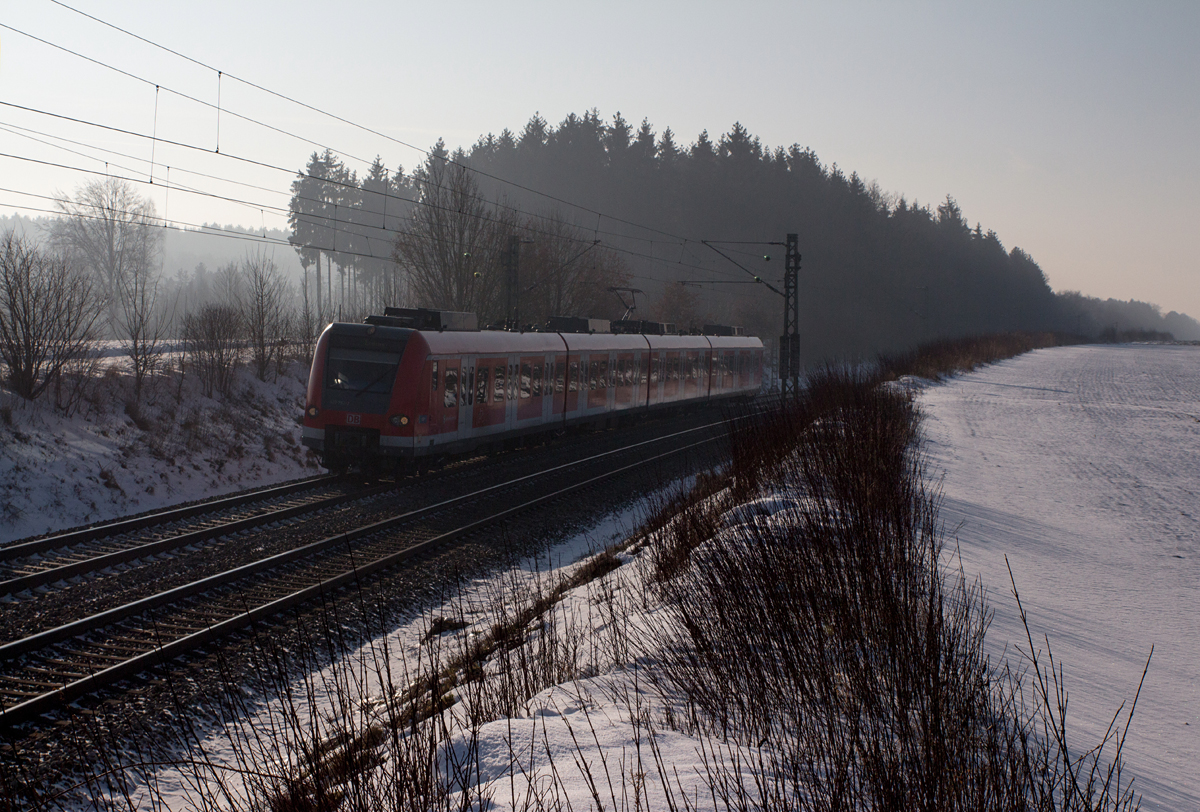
column 481, row 389
column 450, row 399
column 526, row 375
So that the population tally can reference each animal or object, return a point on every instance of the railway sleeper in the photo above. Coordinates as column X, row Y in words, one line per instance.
column 96, row 655
column 179, row 627
column 19, row 694
column 52, row 686
column 65, row 672
column 137, row 649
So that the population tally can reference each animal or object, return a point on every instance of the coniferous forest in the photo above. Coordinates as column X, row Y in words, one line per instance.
column 601, row 203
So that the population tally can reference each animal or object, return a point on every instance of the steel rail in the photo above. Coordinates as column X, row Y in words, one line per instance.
column 20, row 550
column 60, row 573
column 42, row 703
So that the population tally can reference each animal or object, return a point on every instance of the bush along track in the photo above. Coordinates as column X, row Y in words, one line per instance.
column 794, row 613
column 823, row 629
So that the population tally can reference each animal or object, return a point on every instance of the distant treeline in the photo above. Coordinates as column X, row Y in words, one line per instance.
column 879, row 273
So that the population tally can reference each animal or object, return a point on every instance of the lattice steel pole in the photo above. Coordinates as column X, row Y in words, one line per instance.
column 512, row 260
column 789, row 342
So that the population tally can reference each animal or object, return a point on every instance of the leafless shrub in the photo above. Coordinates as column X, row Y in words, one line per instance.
column 951, row 355
column 824, row 641
column 212, row 337
column 49, row 313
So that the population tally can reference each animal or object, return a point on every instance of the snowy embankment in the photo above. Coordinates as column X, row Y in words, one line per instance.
column 107, row 459
column 1081, row 465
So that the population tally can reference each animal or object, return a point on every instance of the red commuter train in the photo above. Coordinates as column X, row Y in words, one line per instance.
column 420, row 383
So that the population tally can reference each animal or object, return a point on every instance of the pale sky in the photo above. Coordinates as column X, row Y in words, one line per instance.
column 1070, row 129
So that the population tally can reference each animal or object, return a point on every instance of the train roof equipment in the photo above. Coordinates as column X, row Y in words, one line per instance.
column 424, row 318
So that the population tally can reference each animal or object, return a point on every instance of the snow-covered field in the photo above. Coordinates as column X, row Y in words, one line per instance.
column 105, row 460
column 1082, row 466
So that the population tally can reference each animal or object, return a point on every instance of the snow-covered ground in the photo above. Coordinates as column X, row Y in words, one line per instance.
column 1079, row 464
column 105, row 460
column 588, row 721
column 1082, row 466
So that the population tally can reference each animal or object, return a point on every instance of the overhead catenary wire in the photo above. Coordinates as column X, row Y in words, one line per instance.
column 290, row 173
column 293, row 173
column 309, row 141
column 348, row 122
column 751, row 273
column 684, row 250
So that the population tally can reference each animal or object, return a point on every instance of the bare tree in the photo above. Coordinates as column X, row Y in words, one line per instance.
column 48, row 315
column 110, row 230
column 213, row 340
column 563, row 272
column 143, row 319
column 264, row 309
column 450, row 250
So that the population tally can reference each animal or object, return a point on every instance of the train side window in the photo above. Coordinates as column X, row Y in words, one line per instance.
column 435, row 377
column 450, row 398
column 643, row 371
column 498, row 389
column 593, row 374
column 558, row 377
column 481, row 386
column 605, row 379
column 469, row 387
column 537, row 380
column 573, row 377
column 526, row 374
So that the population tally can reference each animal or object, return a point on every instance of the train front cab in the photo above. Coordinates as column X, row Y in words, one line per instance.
column 356, row 407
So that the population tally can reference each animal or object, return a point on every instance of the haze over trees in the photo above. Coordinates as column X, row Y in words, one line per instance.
column 879, row 272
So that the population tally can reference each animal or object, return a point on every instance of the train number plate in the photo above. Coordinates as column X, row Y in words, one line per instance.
column 354, row 420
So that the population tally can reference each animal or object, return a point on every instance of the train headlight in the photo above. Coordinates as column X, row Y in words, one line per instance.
column 398, row 420
column 313, row 411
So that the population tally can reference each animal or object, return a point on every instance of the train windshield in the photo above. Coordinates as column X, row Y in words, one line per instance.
column 361, row 371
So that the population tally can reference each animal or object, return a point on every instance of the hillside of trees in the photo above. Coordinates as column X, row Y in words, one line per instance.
column 879, row 273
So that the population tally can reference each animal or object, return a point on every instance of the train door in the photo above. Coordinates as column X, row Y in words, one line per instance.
column 466, row 398
column 510, row 392
column 560, row 388
column 625, row 380
column 670, row 376
column 444, row 398
column 597, row 366
column 529, row 399
column 691, row 367
column 481, row 413
column 572, row 383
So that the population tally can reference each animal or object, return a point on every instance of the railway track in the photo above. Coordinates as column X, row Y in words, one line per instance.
column 53, row 559
column 59, row 665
